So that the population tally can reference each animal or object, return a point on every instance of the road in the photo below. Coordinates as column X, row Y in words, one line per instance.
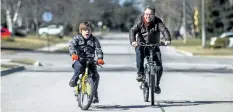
column 46, row 90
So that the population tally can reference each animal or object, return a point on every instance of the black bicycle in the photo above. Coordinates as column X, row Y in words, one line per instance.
column 149, row 80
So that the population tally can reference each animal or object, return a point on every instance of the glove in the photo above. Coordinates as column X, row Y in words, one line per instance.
column 74, row 57
column 100, row 61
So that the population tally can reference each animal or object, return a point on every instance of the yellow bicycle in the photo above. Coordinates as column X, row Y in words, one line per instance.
column 86, row 86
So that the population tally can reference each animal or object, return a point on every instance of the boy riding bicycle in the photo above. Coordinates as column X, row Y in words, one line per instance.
column 82, row 46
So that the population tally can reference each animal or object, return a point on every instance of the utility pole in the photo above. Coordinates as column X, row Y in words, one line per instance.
column 184, row 21
column 203, row 23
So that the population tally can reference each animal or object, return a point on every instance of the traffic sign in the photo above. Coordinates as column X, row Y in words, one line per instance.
column 47, row 16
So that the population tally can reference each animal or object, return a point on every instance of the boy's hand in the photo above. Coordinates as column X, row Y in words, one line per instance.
column 100, row 61
column 74, row 57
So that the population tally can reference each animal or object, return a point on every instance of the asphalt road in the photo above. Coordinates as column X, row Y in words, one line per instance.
column 118, row 91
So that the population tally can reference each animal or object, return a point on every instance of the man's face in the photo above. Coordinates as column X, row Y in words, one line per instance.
column 148, row 15
column 86, row 33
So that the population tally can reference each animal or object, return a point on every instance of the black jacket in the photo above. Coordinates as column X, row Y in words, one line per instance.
column 149, row 34
column 85, row 47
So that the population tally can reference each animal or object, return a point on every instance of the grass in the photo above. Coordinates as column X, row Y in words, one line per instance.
column 194, row 46
column 4, row 68
column 7, row 66
column 65, row 49
column 31, row 42
column 24, row 61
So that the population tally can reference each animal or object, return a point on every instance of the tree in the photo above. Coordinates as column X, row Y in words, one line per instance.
column 220, row 16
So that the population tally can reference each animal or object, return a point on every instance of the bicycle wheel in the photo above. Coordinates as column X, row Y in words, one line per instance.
column 88, row 92
column 152, row 77
column 145, row 85
column 146, row 92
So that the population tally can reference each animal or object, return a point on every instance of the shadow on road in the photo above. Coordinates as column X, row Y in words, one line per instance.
column 160, row 104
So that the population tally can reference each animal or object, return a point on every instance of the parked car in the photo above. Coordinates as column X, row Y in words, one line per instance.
column 225, row 39
column 5, row 33
column 22, row 31
column 57, row 30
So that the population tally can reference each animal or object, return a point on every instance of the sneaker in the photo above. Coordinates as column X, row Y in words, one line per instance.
column 72, row 83
column 140, row 78
column 95, row 100
column 157, row 90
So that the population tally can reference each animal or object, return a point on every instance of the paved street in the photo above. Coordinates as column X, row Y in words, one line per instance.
column 46, row 89
column 181, row 92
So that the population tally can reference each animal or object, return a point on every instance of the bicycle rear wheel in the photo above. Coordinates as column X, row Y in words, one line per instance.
column 152, row 89
column 89, row 93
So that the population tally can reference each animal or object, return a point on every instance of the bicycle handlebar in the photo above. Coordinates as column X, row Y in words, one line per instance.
column 90, row 61
column 151, row 45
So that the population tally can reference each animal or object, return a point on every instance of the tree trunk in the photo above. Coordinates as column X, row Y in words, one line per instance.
column 9, row 20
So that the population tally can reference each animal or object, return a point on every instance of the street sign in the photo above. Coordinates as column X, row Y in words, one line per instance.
column 47, row 16
column 100, row 23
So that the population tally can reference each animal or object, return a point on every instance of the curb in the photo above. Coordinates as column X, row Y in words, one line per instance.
column 12, row 70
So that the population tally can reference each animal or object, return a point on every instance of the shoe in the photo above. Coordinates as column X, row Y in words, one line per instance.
column 95, row 100
column 157, row 90
column 140, row 78
column 72, row 83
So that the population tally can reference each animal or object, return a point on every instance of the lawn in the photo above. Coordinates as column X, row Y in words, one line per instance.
column 194, row 46
column 32, row 42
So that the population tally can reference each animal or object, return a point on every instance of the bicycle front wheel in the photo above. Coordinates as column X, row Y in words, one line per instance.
column 86, row 96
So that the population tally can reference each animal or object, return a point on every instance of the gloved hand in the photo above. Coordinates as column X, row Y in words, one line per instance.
column 167, row 43
column 100, row 61
column 74, row 57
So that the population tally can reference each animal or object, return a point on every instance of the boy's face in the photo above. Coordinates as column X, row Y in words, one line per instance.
column 86, row 32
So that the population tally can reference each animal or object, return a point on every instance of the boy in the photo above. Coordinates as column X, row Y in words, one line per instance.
column 81, row 46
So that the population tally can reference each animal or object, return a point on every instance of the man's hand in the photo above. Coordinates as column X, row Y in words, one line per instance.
column 167, row 43
column 74, row 57
column 100, row 61
column 134, row 44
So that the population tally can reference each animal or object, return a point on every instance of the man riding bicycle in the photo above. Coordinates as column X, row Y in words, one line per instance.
column 82, row 46
column 148, row 29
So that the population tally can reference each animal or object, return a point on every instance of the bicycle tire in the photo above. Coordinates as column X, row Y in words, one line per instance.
column 146, row 92
column 152, row 77
column 146, row 85
column 91, row 95
column 152, row 89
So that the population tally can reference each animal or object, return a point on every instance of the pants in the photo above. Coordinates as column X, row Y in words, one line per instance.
column 140, row 55
column 79, row 68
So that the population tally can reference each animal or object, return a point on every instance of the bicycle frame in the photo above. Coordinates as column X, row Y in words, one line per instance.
column 84, row 78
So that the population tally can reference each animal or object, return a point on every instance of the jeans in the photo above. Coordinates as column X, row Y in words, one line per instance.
column 141, row 53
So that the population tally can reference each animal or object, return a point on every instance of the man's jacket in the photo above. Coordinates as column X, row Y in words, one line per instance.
column 85, row 47
column 150, row 33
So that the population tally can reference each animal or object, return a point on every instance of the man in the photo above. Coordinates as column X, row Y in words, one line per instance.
column 148, row 28
column 81, row 46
